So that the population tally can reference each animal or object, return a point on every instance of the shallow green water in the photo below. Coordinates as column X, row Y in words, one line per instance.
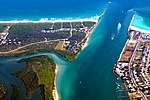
column 141, row 23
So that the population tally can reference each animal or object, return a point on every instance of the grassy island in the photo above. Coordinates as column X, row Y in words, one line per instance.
column 3, row 91
column 39, row 72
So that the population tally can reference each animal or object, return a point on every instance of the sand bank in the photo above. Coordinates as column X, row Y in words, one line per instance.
column 55, row 93
column 139, row 29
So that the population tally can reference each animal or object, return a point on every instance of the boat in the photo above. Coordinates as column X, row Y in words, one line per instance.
column 112, row 36
column 118, row 27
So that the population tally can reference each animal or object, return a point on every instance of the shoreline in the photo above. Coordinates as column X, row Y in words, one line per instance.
column 50, row 21
column 139, row 29
column 55, row 92
column 136, row 29
column 85, row 44
column 127, row 39
column 132, row 27
column 88, row 35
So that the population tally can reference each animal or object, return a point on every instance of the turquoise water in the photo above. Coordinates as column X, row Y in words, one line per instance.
column 140, row 23
column 90, row 76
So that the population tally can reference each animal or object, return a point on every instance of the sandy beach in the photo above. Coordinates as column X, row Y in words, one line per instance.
column 51, row 21
column 85, row 44
column 87, row 36
column 131, row 21
column 139, row 29
column 55, row 93
column 131, row 27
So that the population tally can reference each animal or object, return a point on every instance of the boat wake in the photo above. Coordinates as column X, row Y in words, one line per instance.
column 118, row 31
column 118, row 28
column 112, row 36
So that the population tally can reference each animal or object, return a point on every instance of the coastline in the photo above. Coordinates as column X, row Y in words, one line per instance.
column 132, row 93
column 139, row 29
column 84, row 41
column 132, row 27
column 51, row 21
column 88, row 35
column 85, row 44
column 55, row 92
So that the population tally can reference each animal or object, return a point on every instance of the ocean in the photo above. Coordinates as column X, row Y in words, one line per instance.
column 49, row 9
column 90, row 76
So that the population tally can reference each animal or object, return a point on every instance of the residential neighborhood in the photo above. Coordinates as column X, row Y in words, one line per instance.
column 133, row 65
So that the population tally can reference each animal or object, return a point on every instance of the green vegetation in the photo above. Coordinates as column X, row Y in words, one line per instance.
column 22, row 28
column 40, row 72
column 66, row 25
column 41, row 47
column 3, row 91
column 57, row 25
column 3, row 27
column 62, row 34
column 77, row 25
column 26, row 33
column 19, row 53
column 28, row 38
column 89, row 24
column 77, row 36
column 67, row 55
column 49, row 46
column 16, row 93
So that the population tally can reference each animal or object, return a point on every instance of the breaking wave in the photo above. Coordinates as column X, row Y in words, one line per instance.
column 52, row 19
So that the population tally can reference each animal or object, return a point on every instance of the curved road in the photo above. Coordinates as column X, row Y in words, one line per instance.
column 131, row 74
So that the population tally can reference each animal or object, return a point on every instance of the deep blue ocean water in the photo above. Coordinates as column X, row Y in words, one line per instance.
column 90, row 76
column 58, row 9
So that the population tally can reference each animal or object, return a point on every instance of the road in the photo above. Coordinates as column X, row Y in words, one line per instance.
column 147, row 65
column 30, row 45
column 131, row 74
column 71, row 29
column 71, row 33
column 36, row 42
column 7, row 33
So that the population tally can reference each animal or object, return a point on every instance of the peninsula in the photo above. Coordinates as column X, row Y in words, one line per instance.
column 133, row 65
column 65, row 37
